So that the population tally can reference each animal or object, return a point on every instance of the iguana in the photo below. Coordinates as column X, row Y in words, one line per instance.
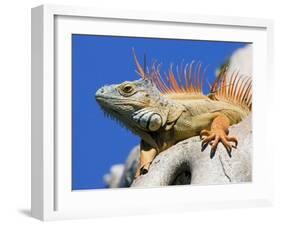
column 163, row 113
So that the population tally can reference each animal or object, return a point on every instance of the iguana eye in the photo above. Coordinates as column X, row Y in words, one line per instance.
column 127, row 89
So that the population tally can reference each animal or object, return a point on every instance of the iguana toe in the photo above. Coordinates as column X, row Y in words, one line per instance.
column 204, row 133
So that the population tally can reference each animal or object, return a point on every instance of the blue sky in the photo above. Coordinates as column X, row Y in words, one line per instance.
column 97, row 141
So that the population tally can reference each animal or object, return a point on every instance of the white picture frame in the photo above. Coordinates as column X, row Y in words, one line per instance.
column 52, row 197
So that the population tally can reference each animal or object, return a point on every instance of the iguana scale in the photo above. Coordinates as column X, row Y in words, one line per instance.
column 163, row 113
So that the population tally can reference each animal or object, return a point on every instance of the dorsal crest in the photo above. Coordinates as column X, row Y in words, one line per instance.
column 187, row 79
column 234, row 88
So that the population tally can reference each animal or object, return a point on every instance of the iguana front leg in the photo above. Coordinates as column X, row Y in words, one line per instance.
column 218, row 133
column 147, row 154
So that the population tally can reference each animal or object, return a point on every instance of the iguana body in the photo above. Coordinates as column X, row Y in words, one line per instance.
column 164, row 114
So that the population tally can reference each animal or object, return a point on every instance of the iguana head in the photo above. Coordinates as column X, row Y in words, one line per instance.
column 123, row 101
column 138, row 105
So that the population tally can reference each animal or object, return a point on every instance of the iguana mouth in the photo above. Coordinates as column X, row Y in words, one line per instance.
column 104, row 103
column 118, row 101
column 104, row 99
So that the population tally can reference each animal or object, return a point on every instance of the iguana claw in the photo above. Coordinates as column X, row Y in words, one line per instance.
column 214, row 137
column 143, row 169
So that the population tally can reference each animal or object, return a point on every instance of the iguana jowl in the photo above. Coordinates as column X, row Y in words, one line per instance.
column 164, row 113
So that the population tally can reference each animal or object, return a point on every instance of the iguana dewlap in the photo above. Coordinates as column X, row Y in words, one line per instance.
column 163, row 114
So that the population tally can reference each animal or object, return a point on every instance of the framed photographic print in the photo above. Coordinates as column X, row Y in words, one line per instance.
column 137, row 112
